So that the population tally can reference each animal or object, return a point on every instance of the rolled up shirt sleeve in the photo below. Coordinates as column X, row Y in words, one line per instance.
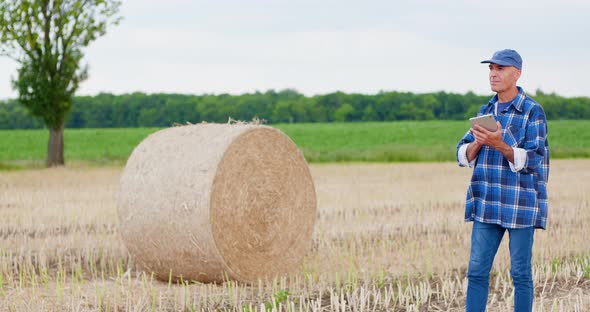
column 535, row 143
column 462, row 157
column 519, row 159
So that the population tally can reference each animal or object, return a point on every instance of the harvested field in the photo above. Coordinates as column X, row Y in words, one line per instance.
column 387, row 237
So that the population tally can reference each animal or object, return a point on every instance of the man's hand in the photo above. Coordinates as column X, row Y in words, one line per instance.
column 493, row 139
column 486, row 137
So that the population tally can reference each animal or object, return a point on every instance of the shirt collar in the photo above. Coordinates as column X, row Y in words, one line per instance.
column 517, row 102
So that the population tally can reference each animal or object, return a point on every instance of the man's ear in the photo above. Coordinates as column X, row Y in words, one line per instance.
column 518, row 73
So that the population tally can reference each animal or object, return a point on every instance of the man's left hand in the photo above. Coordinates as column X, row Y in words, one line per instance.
column 489, row 138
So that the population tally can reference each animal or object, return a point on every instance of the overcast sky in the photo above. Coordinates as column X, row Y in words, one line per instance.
column 318, row 46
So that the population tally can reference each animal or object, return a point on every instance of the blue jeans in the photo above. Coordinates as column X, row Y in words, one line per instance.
column 485, row 239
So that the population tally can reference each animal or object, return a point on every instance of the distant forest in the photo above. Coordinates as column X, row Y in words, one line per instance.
column 286, row 106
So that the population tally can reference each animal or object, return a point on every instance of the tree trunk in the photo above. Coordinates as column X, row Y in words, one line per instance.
column 55, row 148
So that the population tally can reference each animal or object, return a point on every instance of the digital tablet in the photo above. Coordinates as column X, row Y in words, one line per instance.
column 487, row 121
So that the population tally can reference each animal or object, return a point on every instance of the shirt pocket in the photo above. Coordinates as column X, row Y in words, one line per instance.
column 514, row 135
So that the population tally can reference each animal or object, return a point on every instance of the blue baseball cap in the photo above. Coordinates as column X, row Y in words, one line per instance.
column 506, row 57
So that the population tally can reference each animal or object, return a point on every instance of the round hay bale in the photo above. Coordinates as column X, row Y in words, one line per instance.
column 208, row 202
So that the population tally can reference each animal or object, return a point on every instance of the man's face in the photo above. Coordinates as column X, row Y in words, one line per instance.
column 502, row 77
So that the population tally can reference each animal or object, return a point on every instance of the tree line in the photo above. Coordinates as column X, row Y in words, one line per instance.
column 285, row 106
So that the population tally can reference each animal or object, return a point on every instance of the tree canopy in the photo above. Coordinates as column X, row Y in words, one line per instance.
column 162, row 110
column 46, row 38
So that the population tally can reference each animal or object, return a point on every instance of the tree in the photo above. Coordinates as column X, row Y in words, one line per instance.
column 46, row 37
column 344, row 112
column 282, row 112
column 369, row 113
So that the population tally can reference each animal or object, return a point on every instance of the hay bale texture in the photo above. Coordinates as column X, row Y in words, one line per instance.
column 209, row 202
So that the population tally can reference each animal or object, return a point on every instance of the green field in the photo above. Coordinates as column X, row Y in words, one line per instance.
column 320, row 142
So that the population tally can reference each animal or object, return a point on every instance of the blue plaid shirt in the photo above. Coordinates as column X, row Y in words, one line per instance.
column 498, row 195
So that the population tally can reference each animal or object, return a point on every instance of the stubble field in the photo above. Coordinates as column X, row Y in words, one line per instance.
column 388, row 237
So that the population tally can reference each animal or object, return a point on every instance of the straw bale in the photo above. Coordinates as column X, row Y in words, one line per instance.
column 207, row 202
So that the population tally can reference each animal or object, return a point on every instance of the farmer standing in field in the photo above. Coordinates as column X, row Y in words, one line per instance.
column 508, row 186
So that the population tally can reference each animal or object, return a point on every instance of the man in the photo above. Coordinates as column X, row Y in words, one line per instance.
column 508, row 186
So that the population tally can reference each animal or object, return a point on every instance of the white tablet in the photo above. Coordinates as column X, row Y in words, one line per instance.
column 487, row 121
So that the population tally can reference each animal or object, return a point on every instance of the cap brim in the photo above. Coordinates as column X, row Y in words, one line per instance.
column 497, row 62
